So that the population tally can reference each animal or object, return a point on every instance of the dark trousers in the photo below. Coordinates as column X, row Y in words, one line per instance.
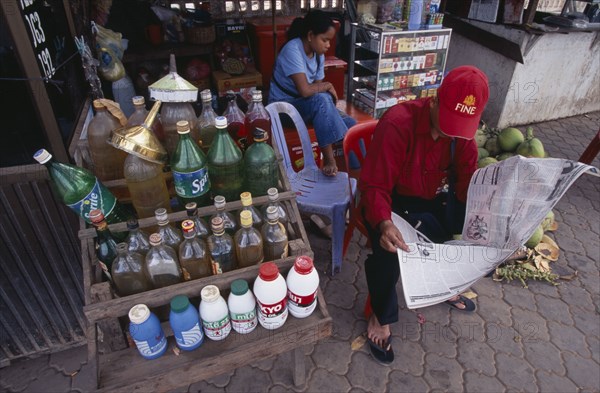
column 382, row 268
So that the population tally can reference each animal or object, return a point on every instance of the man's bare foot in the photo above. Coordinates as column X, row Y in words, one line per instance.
column 376, row 332
column 329, row 166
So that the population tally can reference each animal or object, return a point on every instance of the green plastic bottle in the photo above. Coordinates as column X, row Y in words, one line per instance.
column 225, row 164
column 106, row 245
column 190, row 172
column 260, row 165
column 81, row 191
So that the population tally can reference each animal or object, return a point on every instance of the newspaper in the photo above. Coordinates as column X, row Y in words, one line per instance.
column 505, row 204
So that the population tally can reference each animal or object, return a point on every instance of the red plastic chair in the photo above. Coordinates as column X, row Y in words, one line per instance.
column 352, row 143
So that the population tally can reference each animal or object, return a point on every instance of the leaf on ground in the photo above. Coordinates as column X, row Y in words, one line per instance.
column 421, row 318
column 568, row 277
column 553, row 227
column 359, row 342
column 470, row 295
column 176, row 351
column 547, row 251
column 548, row 240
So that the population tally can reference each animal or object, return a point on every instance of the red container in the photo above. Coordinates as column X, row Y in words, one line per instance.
column 295, row 148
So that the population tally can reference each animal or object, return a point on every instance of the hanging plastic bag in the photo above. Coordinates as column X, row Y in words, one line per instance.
column 106, row 38
column 110, row 68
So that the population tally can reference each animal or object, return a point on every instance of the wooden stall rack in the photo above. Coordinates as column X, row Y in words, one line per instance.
column 118, row 365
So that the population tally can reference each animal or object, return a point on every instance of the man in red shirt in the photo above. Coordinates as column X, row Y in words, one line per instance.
column 419, row 165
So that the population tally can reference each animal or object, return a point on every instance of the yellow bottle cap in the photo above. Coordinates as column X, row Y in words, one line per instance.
column 246, row 218
column 246, row 198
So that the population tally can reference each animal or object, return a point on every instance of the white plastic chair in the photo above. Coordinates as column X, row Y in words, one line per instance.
column 315, row 192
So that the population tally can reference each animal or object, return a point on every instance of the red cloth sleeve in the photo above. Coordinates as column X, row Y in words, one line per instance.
column 381, row 169
column 466, row 154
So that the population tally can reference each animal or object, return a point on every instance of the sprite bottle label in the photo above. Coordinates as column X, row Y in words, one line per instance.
column 98, row 198
column 191, row 184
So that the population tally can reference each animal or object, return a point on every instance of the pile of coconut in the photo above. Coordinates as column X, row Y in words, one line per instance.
column 496, row 144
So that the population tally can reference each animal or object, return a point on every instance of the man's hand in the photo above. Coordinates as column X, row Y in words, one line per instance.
column 391, row 238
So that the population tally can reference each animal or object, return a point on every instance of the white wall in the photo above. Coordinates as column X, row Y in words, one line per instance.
column 560, row 77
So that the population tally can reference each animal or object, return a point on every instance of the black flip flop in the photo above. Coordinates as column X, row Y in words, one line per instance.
column 468, row 303
column 383, row 355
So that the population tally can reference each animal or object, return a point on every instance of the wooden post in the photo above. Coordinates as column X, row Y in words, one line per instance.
column 530, row 12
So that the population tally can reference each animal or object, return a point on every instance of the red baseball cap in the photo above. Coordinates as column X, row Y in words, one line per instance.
column 462, row 97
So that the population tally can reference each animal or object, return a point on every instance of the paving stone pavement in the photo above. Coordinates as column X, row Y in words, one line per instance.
column 542, row 338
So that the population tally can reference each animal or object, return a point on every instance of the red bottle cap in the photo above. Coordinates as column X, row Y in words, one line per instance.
column 188, row 226
column 303, row 264
column 268, row 271
column 96, row 216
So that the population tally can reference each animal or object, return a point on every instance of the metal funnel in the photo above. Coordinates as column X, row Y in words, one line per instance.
column 140, row 140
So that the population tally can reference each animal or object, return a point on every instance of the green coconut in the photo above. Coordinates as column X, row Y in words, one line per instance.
column 480, row 137
column 492, row 146
column 548, row 220
column 482, row 153
column 532, row 146
column 504, row 156
column 510, row 138
column 536, row 238
column 486, row 161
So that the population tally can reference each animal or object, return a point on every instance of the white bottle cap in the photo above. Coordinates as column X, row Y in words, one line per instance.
column 219, row 201
column 210, row 293
column 183, row 127
column 138, row 100
column 42, row 156
column 139, row 313
column 205, row 95
column 256, row 95
column 272, row 213
column 221, row 122
column 273, row 194
column 161, row 215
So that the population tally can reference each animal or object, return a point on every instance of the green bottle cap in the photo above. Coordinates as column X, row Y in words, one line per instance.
column 179, row 303
column 239, row 287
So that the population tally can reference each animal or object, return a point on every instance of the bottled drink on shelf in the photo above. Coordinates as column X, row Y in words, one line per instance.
column 139, row 116
column 108, row 160
column 199, row 224
column 273, row 194
column 257, row 116
column 246, row 199
column 271, row 295
column 162, row 265
column 147, row 333
column 260, row 165
column 190, row 172
column 229, row 222
column 225, row 164
column 194, row 256
column 236, row 123
column 147, row 186
column 185, row 322
column 81, row 191
column 137, row 240
column 128, row 272
column 170, row 114
column 207, row 120
column 248, row 242
column 242, row 307
column 106, row 245
column 274, row 236
column 302, row 283
column 221, row 248
column 170, row 235
column 214, row 313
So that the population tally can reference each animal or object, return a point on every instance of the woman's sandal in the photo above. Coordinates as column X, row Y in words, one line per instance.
column 468, row 303
column 384, row 355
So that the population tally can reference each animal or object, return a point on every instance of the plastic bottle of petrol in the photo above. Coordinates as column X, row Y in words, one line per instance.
column 206, row 120
column 128, row 272
column 257, row 117
column 229, row 221
column 147, row 333
column 185, row 322
column 271, row 295
column 108, row 160
column 214, row 313
column 242, row 307
column 225, row 164
column 236, row 125
column 302, row 284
